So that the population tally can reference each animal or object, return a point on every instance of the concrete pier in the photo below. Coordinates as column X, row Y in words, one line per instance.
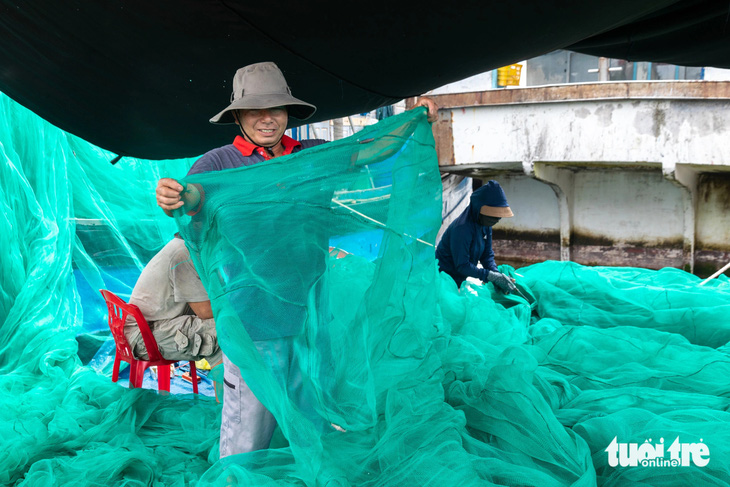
column 621, row 174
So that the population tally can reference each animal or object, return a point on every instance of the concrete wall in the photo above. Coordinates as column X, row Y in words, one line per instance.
column 632, row 174
column 713, row 222
column 717, row 74
column 627, row 218
column 594, row 131
column 534, row 204
column 533, row 234
column 628, row 206
column 479, row 82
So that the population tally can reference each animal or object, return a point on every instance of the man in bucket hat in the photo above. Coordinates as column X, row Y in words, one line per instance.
column 468, row 240
column 261, row 105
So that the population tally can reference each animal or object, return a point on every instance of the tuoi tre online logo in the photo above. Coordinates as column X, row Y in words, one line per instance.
column 649, row 454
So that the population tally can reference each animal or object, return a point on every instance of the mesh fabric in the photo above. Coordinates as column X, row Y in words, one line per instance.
column 434, row 386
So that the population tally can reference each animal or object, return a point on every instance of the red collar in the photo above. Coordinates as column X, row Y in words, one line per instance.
column 246, row 148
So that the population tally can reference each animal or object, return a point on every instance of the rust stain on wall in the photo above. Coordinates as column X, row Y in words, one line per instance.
column 589, row 239
column 532, row 247
column 523, row 252
column 443, row 134
column 552, row 236
column 629, row 256
column 679, row 90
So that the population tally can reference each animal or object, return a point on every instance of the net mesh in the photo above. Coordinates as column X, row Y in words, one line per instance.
column 333, row 247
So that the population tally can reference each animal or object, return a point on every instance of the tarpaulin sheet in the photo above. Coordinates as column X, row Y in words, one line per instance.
column 142, row 78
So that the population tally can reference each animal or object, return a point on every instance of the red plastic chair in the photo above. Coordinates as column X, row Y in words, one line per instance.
column 118, row 312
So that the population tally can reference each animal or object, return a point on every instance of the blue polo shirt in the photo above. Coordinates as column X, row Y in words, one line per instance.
column 243, row 153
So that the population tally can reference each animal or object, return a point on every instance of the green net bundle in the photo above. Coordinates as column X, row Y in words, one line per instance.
column 72, row 224
column 334, row 245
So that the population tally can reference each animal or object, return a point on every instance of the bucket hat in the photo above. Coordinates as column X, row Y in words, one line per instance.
column 491, row 200
column 262, row 85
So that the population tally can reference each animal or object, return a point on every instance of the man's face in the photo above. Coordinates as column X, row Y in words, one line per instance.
column 266, row 126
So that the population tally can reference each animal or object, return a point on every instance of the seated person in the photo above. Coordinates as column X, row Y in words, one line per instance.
column 173, row 300
column 468, row 240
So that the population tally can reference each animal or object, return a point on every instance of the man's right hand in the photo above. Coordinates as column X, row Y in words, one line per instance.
column 168, row 195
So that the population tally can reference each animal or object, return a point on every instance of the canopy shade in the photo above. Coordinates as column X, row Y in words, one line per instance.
column 142, row 78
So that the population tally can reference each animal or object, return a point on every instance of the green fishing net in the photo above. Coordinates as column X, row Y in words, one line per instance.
column 333, row 247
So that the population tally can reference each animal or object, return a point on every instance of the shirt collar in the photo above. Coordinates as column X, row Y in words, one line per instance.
column 247, row 148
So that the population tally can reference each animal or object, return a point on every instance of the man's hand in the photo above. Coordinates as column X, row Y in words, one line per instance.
column 431, row 106
column 501, row 282
column 168, row 195
column 171, row 196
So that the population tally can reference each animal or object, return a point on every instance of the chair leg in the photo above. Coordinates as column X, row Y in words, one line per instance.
column 139, row 375
column 194, row 376
column 133, row 374
column 163, row 377
column 115, row 369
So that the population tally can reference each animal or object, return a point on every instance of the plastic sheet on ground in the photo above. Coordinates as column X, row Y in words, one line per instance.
column 435, row 386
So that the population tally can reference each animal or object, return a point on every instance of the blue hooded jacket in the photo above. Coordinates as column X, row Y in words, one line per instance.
column 466, row 243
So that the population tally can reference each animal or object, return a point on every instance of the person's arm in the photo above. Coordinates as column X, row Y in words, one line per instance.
column 460, row 243
column 500, row 281
column 187, row 286
column 202, row 309
column 487, row 258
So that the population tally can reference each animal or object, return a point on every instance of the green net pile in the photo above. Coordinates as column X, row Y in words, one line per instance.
column 334, row 245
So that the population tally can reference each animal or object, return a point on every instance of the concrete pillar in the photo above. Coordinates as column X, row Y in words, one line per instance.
column 684, row 176
column 561, row 181
column 603, row 72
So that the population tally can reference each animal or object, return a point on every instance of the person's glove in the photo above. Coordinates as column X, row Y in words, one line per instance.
column 501, row 282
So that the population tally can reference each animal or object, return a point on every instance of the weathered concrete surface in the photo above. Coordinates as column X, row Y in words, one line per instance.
column 634, row 174
column 630, row 90
column 713, row 216
column 457, row 191
column 655, row 131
